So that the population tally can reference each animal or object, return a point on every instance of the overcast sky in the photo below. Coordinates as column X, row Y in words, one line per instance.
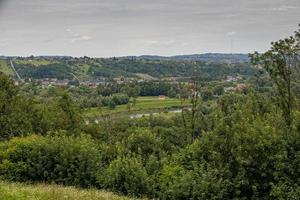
column 103, row 28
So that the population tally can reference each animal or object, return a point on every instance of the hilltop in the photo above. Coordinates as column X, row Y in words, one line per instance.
column 207, row 57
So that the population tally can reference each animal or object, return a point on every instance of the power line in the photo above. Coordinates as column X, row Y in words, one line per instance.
column 14, row 69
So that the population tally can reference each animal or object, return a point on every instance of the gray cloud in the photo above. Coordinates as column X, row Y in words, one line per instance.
column 134, row 27
column 2, row 2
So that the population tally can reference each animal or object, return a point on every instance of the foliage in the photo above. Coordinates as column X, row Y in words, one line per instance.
column 15, row 110
column 282, row 64
column 59, row 159
column 126, row 175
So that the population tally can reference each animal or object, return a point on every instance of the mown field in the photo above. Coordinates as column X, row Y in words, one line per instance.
column 143, row 104
column 16, row 191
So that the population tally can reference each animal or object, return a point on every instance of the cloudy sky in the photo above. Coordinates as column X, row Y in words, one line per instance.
column 105, row 28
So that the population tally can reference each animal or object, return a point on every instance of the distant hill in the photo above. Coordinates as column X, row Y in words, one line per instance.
column 208, row 57
column 211, row 57
column 65, row 67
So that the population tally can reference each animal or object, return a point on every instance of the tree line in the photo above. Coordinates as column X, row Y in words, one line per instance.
column 37, row 68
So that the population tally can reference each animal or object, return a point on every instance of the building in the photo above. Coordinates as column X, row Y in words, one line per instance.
column 162, row 97
column 231, row 79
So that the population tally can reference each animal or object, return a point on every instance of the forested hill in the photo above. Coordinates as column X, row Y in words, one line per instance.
column 213, row 66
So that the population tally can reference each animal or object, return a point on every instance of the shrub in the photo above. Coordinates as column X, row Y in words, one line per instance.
column 199, row 183
column 126, row 176
column 143, row 142
column 60, row 159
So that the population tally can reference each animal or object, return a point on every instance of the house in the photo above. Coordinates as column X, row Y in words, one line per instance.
column 229, row 89
column 231, row 79
column 162, row 97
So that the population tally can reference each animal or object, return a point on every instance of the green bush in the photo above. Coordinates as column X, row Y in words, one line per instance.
column 60, row 159
column 126, row 176
column 199, row 183
column 143, row 142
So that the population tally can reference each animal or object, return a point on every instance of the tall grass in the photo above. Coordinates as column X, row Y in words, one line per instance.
column 17, row 191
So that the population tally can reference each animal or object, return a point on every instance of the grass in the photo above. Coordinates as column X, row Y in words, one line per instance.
column 81, row 70
column 143, row 104
column 17, row 191
column 5, row 68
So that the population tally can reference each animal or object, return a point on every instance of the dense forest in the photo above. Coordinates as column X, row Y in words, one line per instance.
column 239, row 145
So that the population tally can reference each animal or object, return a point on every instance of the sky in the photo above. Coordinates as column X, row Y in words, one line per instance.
column 105, row 28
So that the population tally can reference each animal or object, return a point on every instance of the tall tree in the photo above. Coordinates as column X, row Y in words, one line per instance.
column 15, row 110
column 282, row 64
column 70, row 116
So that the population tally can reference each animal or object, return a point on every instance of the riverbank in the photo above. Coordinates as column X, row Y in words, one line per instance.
column 143, row 106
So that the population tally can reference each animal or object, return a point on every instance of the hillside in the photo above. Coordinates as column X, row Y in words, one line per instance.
column 14, row 191
column 5, row 68
column 214, row 66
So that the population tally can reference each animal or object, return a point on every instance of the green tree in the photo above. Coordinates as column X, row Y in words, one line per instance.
column 70, row 117
column 126, row 176
column 282, row 64
column 207, row 94
column 172, row 93
column 15, row 110
column 218, row 90
column 111, row 104
column 132, row 93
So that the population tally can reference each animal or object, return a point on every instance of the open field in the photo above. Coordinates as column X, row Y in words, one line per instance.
column 16, row 191
column 143, row 104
